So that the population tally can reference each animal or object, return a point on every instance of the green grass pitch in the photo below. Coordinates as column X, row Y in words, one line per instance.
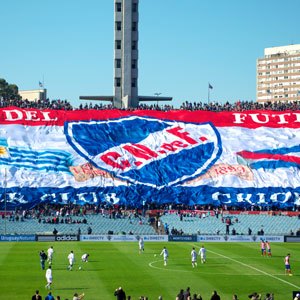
column 231, row 268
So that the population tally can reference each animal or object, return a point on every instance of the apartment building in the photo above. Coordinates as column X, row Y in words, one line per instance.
column 278, row 74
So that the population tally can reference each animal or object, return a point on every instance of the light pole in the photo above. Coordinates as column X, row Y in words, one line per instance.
column 157, row 95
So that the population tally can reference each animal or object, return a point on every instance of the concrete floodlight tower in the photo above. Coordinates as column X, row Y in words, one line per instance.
column 126, row 53
column 126, row 38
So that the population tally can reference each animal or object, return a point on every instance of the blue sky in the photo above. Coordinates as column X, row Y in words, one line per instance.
column 183, row 45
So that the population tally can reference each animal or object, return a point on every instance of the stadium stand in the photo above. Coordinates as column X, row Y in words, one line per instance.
column 98, row 223
column 189, row 224
column 209, row 225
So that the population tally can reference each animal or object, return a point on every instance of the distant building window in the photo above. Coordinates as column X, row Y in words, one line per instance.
column 134, row 26
column 118, row 26
column 118, row 6
column 117, row 81
column 286, row 77
column 118, row 44
column 133, row 45
column 133, row 82
column 134, row 7
column 118, row 63
column 133, row 64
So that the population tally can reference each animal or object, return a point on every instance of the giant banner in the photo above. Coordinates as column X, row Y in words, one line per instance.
column 139, row 157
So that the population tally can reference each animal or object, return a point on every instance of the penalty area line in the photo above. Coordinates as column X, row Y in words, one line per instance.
column 253, row 268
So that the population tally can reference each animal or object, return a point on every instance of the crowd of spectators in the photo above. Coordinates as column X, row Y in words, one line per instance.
column 120, row 294
column 72, row 213
column 216, row 106
column 55, row 214
column 48, row 213
column 186, row 294
column 240, row 106
column 50, row 296
column 39, row 104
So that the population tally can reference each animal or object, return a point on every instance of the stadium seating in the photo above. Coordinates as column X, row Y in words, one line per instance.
column 102, row 224
column 271, row 225
column 99, row 224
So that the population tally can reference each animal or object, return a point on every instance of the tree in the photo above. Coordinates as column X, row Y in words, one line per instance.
column 9, row 91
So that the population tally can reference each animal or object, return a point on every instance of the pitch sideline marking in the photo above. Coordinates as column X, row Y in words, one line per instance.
column 253, row 268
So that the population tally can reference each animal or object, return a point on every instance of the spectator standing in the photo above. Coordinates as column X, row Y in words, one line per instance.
column 255, row 296
column 49, row 296
column 180, row 295
column 120, row 294
column 215, row 296
column 269, row 296
column 89, row 230
column 187, row 294
column 78, row 297
column 36, row 296
column 227, row 229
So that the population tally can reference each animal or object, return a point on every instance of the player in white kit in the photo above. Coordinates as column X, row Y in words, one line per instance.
column 194, row 258
column 71, row 259
column 202, row 253
column 165, row 255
